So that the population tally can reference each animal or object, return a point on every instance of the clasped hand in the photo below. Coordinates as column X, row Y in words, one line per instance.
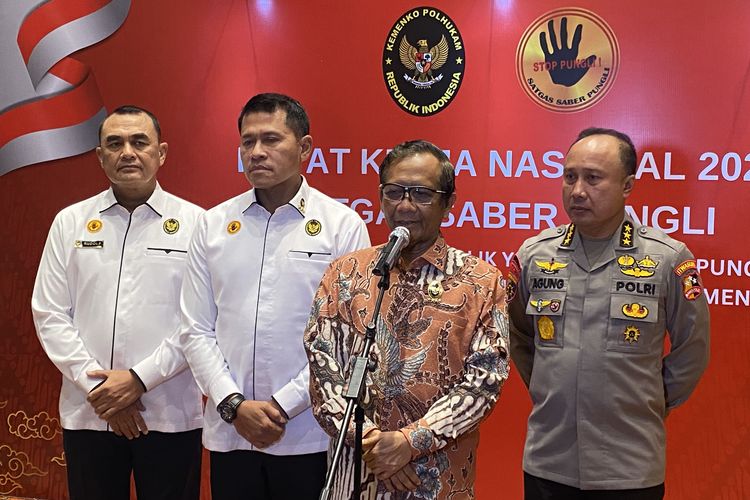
column 388, row 455
column 260, row 422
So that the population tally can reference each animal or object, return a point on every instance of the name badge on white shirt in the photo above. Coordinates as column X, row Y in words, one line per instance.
column 89, row 244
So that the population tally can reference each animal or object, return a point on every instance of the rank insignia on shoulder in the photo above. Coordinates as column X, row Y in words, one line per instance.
column 313, row 227
column 569, row 236
column 435, row 291
column 94, row 226
column 635, row 310
column 631, row 334
column 171, row 226
column 546, row 328
column 550, row 266
column 626, row 235
column 233, row 227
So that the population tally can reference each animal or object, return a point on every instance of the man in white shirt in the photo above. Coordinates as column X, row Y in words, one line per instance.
column 254, row 264
column 106, row 310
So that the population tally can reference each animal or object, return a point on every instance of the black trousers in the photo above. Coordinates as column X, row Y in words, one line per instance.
column 165, row 465
column 536, row 488
column 245, row 475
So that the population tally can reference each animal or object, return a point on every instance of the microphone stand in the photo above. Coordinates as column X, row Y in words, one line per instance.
column 353, row 395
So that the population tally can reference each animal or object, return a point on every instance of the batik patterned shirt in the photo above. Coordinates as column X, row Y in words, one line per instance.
column 440, row 357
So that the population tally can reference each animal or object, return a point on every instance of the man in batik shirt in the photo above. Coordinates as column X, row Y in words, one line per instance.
column 441, row 346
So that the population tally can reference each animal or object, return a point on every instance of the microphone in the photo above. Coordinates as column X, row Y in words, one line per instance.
column 398, row 239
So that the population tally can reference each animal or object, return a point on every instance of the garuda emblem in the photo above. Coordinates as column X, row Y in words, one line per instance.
column 423, row 61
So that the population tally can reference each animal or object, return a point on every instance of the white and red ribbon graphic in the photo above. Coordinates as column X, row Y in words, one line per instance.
column 50, row 106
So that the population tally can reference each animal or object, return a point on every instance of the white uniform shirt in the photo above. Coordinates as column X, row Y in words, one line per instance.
column 107, row 297
column 246, row 300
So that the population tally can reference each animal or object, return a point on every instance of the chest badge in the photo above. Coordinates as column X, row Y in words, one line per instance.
column 631, row 334
column 435, row 291
column 550, row 266
column 171, row 226
column 553, row 304
column 94, row 226
column 313, row 227
column 546, row 328
column 644, row 268
column 233, row 226
column 635, row 310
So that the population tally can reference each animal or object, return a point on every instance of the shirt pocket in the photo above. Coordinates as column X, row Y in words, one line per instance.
column 301, row 256
column 173, row 253
column 632, row 321
column 546, row 310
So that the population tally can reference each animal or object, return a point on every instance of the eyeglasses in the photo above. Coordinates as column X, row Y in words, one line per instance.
column 421, row 195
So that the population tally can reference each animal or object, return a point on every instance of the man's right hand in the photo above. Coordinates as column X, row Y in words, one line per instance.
column 405, row 479
column 129, row 422
column 259, row 422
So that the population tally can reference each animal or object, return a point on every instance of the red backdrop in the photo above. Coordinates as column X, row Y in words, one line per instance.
column 680, row 91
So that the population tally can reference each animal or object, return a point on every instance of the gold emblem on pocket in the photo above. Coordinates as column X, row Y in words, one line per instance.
column 313, row 227
column 233, row 226
column 632, row 334
column 94, row 226
column 546, row 328
column 635, row 310
column 171, row 226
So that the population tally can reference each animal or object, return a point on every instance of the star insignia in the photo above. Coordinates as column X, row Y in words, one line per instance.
column 459, row 60
column 388, row 60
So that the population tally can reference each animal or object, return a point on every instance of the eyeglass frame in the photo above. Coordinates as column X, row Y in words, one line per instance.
column 407, row 192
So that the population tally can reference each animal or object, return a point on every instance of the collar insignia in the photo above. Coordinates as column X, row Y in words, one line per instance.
column 569, row 236
column 626, row 235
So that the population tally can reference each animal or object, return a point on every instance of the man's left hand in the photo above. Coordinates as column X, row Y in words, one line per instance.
column 386, row 452
column 119, row 390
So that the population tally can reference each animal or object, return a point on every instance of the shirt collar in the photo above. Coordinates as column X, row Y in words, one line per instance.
column 300, row 201
column 156, row 202
column 436, row 255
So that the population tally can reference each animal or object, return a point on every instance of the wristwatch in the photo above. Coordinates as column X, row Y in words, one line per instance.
column 228, row 408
